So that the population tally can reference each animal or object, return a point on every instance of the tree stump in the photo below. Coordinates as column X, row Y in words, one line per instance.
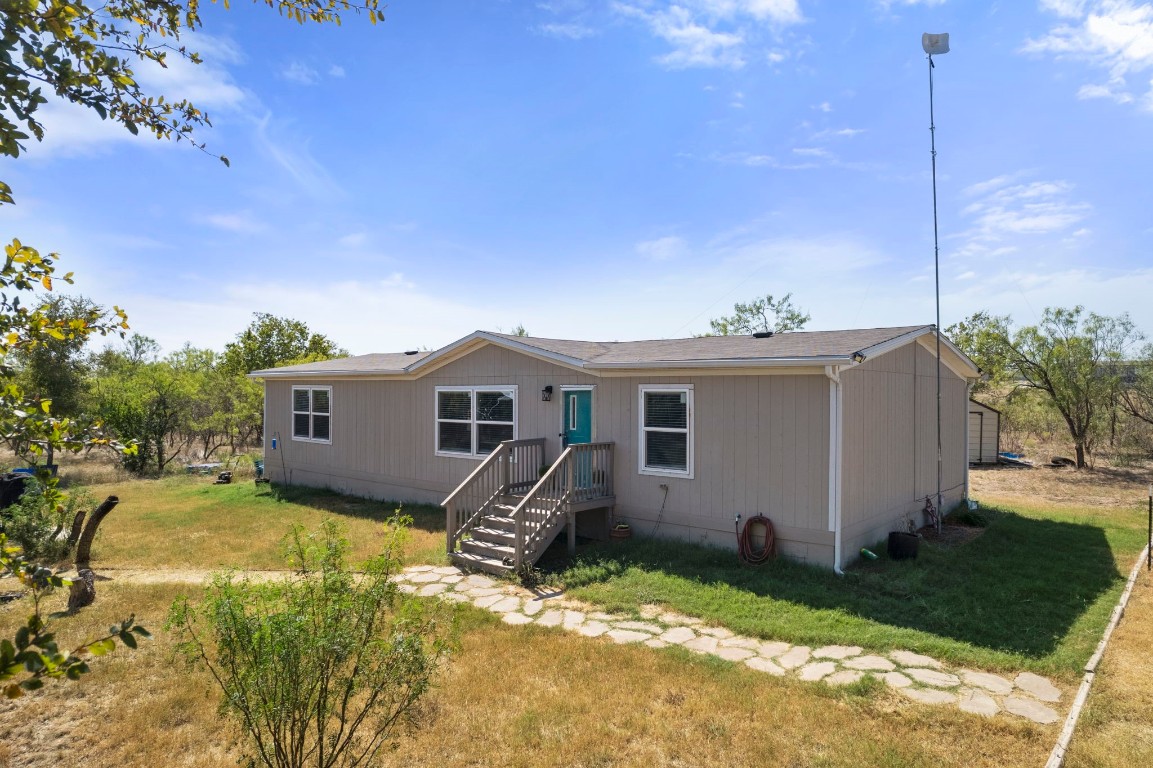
column 82, row 593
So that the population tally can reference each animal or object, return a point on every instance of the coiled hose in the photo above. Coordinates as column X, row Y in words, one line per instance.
column 745, row 541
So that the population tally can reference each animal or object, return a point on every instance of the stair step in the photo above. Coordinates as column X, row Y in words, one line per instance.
column 480, row 563
column 499, row 522
column 495, row 535
column 488, row 549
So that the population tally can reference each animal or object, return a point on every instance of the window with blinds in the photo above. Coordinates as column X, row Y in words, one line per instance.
column 666, row 430
column 312, row 414
column 473, row 421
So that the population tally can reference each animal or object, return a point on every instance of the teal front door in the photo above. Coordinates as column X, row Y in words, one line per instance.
column 578, row 416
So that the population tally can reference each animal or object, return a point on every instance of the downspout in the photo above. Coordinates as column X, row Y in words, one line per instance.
column 969, row 394
column 835, row 441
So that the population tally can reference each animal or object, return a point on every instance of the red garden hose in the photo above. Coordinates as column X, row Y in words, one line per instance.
column 745, row 541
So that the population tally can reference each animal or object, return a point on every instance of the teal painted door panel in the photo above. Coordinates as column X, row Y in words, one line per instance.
column 578, row 416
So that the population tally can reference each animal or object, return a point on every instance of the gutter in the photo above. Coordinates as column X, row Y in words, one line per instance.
column 836, row 435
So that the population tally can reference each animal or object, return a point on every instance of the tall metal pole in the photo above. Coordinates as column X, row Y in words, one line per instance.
column 937, row 287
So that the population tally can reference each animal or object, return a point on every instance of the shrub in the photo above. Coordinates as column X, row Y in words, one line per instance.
column 39, row 523
column 319, row 668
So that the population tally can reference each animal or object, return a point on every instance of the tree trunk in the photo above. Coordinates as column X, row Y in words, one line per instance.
column 1080, row 455
column 84, row 545
column 82, row 593
column 77, row 527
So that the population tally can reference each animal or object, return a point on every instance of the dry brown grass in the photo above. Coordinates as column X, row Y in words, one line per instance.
column 511, row 697
column 1036, row 486
column 1116, row 726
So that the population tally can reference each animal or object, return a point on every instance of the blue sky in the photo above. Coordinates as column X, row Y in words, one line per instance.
column 616, row 170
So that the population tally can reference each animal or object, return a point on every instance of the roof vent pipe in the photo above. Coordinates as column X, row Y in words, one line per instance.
column 412, row 352
column 762, row 334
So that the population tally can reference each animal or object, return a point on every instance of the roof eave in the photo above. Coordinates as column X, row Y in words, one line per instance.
column 763, row 362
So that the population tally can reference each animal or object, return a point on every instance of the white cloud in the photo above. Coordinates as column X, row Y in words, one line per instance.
column 824, row 106
column 663, row 249
column 1006, row 213
column 1112, row 36
column 300, row 73
column 712, row 33
column 241, row 223
column 336, row 71
column 569, row 31
column 812, row 152
column 353, row 240
column 840, row 133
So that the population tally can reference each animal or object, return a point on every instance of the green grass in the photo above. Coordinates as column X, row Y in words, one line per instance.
column 187, row 522
column 1034, row 591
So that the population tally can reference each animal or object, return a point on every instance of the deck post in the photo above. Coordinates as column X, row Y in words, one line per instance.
column 571, row 532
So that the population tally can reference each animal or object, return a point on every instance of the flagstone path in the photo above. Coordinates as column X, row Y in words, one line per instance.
column 920, row 678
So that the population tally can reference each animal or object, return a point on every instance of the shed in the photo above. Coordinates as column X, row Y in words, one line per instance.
column 984, row 433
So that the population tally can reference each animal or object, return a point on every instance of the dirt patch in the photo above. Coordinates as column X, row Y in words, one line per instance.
column 951, row 535
column 1099, row 487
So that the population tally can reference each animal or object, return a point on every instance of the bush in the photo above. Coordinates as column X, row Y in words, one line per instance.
column 39, row 525
column 319, row 668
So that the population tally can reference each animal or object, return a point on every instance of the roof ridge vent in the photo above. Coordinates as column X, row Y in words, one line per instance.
column 762, row 334
column 412, row 352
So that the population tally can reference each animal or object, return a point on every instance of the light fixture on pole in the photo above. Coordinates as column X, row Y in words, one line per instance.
column 936, row 45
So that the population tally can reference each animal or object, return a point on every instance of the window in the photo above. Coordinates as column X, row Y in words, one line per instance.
column 473, row 421
column 666, row 430
column 312, row 414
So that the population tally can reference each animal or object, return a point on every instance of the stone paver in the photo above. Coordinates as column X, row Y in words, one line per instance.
column 407, row 589
column 593, row 628
column 817, row 670
column 896, row 680
column 741, row 642
column 908, row 659
column 794, row 657
column 678, row 635
column 836, row 651
column 764, row 665
column 870, row 663
column 641, row 626
column 703, row 644
column 933, row 677
column 844, row 677
column 573, row 619
column 506, row 605
column 775, row 648
column 628, row 635
column 984, row 693
column 988, row 681
column 978, row 702
column 1030, row 709
column 929, row 695
column 734, row 653
column 551, row 618
column 487, row 600
column 1037, row 686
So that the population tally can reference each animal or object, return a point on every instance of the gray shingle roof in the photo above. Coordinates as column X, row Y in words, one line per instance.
column 796, row 347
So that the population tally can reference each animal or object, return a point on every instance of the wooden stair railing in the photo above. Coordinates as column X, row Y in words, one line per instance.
column 511, row 468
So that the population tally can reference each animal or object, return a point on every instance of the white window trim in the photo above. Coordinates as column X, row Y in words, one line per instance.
column 311, row 413
column 687, row 390
column 472, row 419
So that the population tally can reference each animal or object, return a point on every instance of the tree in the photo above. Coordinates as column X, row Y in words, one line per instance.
column 269, row 341
column 318, row 668
column 1072, row 357
column 764, row 314
column 54, row 370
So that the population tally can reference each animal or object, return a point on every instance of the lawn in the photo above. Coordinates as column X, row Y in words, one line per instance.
column 1034, row 591
column 187, row 522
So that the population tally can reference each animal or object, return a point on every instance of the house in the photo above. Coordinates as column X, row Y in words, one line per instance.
column 830, row 434
column 984, row 433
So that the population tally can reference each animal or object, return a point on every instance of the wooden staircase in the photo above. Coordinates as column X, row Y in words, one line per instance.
column 508, row 511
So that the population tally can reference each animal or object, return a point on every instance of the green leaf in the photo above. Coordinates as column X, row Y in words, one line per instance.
column 101, row 647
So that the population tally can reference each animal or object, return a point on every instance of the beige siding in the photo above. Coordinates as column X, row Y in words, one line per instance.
column 890, row 442
column 984, row 425
column 761, row 445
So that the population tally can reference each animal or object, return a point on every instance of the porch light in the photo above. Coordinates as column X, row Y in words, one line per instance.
column 546, row 394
